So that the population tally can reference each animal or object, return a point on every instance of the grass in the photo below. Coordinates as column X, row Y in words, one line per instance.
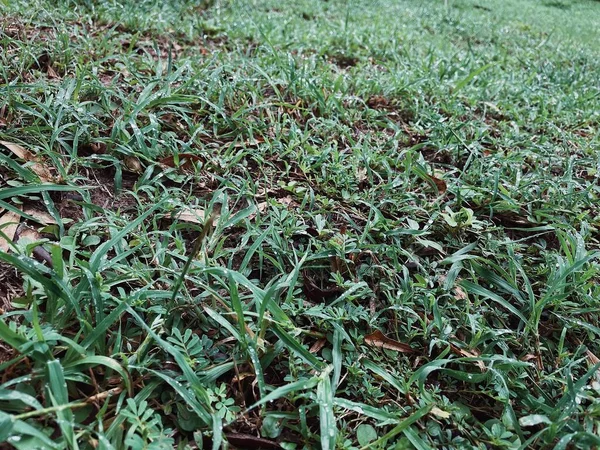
column 300, row 224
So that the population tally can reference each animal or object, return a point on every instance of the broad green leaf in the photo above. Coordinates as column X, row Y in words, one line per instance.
column 365, row 434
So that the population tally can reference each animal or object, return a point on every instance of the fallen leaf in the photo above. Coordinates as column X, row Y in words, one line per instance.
column 41, row 216
column 459, row 293
column 251, row 442
column 528, row 357
column 31, row 235
column 378, row 339
column 439, row 413
column 104, row 395
column 512, row 219
column 318, row 290
column 440, row 184
column 98, row 147
column 38, row 168
column 52, row 73
column 187, row 161
column 193, row 215
column 133, row 164
column 592, row 358
column 8, row 225
column 285, row 201
column 249, row 143
column 262, row 207
column 318, row 345
column 474, row 353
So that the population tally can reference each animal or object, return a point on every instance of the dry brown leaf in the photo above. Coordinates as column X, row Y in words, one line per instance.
column 52, row 73
column 459, row 293
column 528, row 357
column 187, row 161
column 248, row 441
column 104, row 395
column 474, row 353
column 439, row 413
column 41, row 216
column 249, row 143
column 31, row 235
column 193, row 215
column 592, row 358
column 318, row 345
column 38, row 168
column 8, row 225
column 285, row 201
column 133, row 164
column 378, row 339
column 440, row 184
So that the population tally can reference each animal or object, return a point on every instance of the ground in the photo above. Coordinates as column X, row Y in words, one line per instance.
column 299, row 224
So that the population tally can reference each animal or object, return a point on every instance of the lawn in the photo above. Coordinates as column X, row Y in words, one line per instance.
column 299, row 224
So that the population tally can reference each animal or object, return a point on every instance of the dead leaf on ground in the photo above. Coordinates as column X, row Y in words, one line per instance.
column 473, row 353
column 593, row 359
column 186, row 162
column 52, row 73
column 262, row 207
column 37, row 167
column 512, row 219
column 457, row 290
column 251, row 442
column 459, row 293
column 318, row 290
column 318, row 345
column 285, row 201
column 39, row 253
column 249, row 143
column 8, row 225
column 193, row 215
column 133, row 164
column 41, row 216
column 439, row 413
column 440, row 184
column 378, row 339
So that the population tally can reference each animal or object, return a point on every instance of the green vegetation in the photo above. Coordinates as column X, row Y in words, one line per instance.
column 299, row 224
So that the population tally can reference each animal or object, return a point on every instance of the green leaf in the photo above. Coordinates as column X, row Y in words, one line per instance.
column 466, row 80
column 34, row 189
column 96, row 360
column 366, row 410
column 98, row 255
column 326, row 416
column 294, row 346
column 59, row 396
column 11, row 396
column 7, row 423
column 417, row 415
column 38, row 439
column 286, row 389
column 365, row 434
column 204, row 408
column 394, row 382
column 473, row 288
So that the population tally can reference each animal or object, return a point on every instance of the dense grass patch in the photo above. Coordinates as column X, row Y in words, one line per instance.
column 299, row 224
